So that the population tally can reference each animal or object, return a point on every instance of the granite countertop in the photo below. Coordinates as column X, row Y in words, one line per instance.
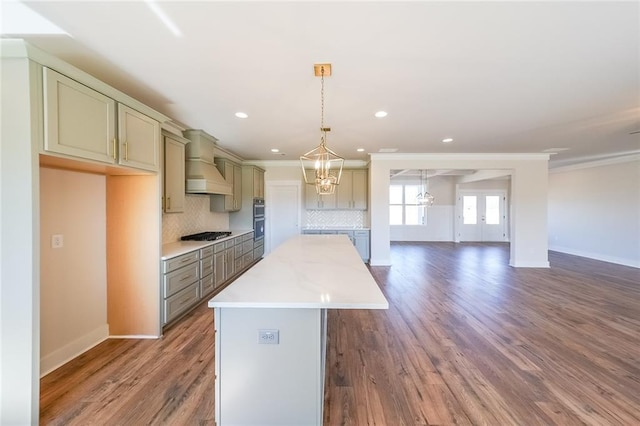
column 306, row 271
column 177, row 248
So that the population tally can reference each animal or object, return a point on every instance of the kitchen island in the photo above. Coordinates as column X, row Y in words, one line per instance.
column 271, row 328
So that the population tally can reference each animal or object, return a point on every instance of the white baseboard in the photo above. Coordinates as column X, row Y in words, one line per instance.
column 634, row 263
column 135, row 336
column 380, row 262
column 529, row 264
column 61, row 356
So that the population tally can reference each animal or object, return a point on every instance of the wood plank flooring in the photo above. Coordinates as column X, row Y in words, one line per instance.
column 467, row 340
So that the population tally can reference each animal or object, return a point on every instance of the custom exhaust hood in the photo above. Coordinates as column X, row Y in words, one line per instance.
column 201, row 173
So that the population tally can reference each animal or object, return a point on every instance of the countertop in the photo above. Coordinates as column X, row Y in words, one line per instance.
column 337, row 228
column 171, row 250
column 306, row 271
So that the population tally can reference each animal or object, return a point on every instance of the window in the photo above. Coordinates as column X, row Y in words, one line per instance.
column 403, row 206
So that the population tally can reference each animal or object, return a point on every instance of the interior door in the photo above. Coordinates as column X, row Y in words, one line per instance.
column 482, row 216
column 282, row 212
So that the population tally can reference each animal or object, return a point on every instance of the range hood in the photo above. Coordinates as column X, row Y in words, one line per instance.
column 200, row 171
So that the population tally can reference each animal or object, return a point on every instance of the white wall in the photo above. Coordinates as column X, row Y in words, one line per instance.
column 528, row 226
column 594, row 211
column 19, row 247
column 73, row 286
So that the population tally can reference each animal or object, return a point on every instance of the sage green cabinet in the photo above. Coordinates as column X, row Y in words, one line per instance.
column 351, row 194
column 358, row 237
column 83, row 123
column 315, row 201
column 232, row 173
column 258, row 181
column 174, row 179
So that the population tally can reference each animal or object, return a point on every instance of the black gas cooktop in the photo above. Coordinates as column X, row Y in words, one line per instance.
column 206, row 236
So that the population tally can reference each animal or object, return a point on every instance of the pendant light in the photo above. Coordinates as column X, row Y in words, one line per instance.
column 327, row 165
column 424, row 198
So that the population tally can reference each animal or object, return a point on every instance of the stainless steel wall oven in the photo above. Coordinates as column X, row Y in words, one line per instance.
column 258, row 218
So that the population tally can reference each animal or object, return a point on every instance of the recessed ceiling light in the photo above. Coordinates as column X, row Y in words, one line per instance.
column 381, row 114
column 360, row 149
column 447, row 140
column 241, row 115
column 274, row 150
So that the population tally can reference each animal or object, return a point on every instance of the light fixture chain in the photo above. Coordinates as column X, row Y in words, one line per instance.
column 321, row 98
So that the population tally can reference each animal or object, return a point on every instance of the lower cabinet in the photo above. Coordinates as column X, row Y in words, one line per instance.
column 193, row 276
column 359, row 238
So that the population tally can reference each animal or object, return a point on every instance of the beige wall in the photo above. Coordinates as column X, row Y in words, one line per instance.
column 73, row 289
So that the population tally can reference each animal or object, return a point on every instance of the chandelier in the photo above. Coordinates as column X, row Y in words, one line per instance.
column 327, row 165
column 424, row 198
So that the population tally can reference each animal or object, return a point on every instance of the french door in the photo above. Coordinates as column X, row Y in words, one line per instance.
column 481, row 215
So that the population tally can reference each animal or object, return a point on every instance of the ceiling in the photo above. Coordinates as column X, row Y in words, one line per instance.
column 497, row 77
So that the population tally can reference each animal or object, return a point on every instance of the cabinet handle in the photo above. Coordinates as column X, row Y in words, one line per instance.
column 126, row 151
column 185, row 277
column 113, row 151
column 185, row 260
column 168, row 203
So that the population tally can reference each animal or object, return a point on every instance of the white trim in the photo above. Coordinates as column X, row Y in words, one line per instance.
column 348, row 164
column 459, row 157
column 134, row 336
column 595, row 256
column 528, row 264
column 380, row 262
column 626, row 158
column 73, row 349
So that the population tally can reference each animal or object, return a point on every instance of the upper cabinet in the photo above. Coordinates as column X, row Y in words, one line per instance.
column 351, row 194
column 352, row 191
column 83, row 123
column 232, row 173
column 258, row 181
column 174, row 180
column 315, row 201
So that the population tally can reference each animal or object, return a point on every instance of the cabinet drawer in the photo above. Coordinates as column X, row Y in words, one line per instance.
column 259, row 243
column 238, row 264
column 180, row 302
column 361, row 233
column 258, row 252
column 247, row 237
column 230, row 243
column 247, row 247
column 206, row 266
column 207, row 251
column 217, row 248
column 247, row 259
column 311, row 231
column 206, row 285
column 177, row 280
column 179, row 262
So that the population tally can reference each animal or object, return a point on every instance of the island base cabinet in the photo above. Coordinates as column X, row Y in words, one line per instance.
column 269, row 384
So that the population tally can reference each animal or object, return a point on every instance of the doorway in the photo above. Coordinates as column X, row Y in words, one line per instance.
column 482, row 215
column 282, row 212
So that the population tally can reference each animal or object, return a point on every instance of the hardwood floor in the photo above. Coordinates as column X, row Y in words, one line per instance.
column 467, row 340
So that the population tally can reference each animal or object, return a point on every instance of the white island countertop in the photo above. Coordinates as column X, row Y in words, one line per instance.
column 306, row 271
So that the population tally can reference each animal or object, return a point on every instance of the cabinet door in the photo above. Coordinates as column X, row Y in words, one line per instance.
column 344, row 192
column 78, row 121
column 361, row 241
column 328, row 202
column 311, row 201
column 219, row 268
column 139, row 138
column 237, row 187
column 258, row 183
column 173, row 175
column 359, row 189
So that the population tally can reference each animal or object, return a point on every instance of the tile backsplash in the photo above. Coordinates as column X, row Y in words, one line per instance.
column 196, row 218
column 329, row 218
